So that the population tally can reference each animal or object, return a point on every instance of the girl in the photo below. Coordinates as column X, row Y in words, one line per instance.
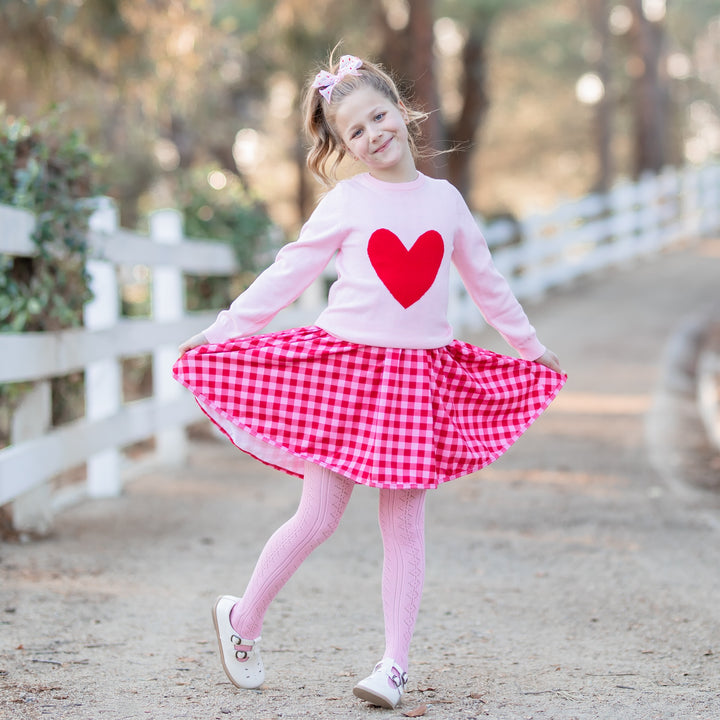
column 377, row 391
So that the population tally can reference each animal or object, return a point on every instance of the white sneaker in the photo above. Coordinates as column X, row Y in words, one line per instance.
column 385, row 686
column 243, row 667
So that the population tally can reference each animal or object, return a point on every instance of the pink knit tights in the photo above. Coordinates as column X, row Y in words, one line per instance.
column 402, row 523
column 325, row 496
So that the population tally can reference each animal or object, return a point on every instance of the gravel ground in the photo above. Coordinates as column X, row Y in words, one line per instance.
column 576, row 578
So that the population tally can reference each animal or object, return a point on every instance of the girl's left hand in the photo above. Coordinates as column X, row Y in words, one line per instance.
column 551, row 360
column 192, row 342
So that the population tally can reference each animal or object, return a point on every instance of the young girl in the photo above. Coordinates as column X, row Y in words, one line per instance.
column 377, row 391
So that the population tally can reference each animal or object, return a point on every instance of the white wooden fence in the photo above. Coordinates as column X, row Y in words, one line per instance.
column 577, row 238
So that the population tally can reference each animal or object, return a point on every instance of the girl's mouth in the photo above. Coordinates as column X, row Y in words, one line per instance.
column 383, row 146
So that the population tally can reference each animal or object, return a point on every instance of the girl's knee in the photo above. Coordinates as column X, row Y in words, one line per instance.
column 402, row 511
column 325, row 497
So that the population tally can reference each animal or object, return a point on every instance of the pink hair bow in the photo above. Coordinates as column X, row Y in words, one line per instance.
column 325, row 82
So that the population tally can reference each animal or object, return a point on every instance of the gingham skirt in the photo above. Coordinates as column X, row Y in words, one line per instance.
column 384, row 417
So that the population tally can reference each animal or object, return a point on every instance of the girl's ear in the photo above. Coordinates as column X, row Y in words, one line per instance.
column 403, row 112
column 347, row 151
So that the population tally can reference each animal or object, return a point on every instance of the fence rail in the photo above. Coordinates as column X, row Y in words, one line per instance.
column 542, row 251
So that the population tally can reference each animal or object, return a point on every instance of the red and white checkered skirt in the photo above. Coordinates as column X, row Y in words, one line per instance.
column 384, row 417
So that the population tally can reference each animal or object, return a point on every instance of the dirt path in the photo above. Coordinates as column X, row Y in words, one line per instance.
column 574, row 579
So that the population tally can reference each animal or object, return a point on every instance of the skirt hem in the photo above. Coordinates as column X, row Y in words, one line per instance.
column 306, row 457
column 381, row 417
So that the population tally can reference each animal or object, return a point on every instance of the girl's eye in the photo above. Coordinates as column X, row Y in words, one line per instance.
column 356, row 134
column 380, row 116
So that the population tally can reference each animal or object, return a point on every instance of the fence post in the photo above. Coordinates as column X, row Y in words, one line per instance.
column 713, row 209
column 647, row 214
column 670, row 213
column 32, row 511
column 689, row 201
column 530, row 285
column 623, row 221
column 168, row 302
column 708, row 203
column 103, row 378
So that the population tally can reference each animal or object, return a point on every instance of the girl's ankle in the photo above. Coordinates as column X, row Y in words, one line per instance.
column 239, row 624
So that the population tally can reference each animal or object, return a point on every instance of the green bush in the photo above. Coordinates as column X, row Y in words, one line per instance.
column 230, row 214
column 51, row 174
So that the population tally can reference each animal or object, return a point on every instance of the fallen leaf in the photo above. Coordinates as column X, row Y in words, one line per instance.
column 419, row 711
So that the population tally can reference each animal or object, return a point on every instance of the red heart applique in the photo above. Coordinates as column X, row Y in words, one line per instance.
column 407, row 274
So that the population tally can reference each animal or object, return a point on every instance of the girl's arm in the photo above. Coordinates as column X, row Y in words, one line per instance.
column 491, row 292
column 296, row 266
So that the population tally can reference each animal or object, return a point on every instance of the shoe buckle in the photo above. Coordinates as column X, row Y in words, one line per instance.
column 242, row 655
column 398, row 680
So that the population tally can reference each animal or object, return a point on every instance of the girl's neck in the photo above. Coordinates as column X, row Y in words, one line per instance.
column 403, row 172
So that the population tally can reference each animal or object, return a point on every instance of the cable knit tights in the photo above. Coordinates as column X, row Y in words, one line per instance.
column 402, row 523
column 325, row 496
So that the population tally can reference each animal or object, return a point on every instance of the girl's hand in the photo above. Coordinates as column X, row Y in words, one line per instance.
column 550, row 359
column 191, row 343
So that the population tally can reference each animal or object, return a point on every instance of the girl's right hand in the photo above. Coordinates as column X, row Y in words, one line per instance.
column 191, row 343
column 550, row 359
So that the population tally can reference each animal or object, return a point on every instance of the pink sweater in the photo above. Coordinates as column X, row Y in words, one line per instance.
column 394, row 244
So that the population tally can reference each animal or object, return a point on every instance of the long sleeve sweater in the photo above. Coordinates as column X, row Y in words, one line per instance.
column 394, row 245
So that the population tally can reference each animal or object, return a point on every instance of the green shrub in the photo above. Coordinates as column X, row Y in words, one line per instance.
column 51, row 174
column 230, row 214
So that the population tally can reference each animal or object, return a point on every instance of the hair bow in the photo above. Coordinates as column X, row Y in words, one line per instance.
column 325, row 82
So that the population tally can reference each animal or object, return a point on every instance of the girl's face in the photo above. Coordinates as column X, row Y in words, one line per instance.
column 373, row 129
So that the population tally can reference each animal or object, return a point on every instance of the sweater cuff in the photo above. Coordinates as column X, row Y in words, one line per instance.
column 218, row 331
column 532, row 350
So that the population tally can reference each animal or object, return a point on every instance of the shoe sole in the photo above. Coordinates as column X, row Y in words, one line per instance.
column 372, row 698
column 222, row 652
column 220, row 645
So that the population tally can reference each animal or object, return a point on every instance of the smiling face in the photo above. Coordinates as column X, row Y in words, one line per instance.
column 373, row 129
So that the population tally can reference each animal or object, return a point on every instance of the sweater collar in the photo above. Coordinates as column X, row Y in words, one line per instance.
column 368, row 180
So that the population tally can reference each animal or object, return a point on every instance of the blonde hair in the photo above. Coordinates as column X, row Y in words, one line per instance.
column 319, row 117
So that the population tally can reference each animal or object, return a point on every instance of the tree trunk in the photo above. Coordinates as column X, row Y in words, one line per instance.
column 604, row 109
column 648, row 96
column 306, row 198
column 408, row 53
column 473, row 89
column 395, row 51
column 421, row 27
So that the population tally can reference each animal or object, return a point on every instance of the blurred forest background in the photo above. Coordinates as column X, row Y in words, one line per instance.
column 194, row 104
